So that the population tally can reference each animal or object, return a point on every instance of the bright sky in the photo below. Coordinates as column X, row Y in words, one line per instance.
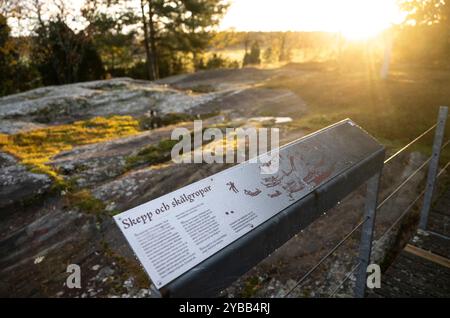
column 354, row 18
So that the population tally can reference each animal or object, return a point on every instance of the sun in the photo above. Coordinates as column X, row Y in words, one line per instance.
column 363, row 30
column 364, row 19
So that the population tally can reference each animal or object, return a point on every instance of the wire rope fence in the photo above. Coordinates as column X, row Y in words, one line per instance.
column 438, row 146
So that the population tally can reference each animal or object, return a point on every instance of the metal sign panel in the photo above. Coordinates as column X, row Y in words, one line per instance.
column 176, row 232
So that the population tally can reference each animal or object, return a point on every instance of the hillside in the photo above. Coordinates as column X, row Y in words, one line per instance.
column 72, row 156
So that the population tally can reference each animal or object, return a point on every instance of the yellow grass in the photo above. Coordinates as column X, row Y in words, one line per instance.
column 35, row 148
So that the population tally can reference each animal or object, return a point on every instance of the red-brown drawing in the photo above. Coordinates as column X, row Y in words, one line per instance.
column 292, row 167
column 309, row 176
column 315, row 176
column 275, row 194
column 271, row 182
column 292, row 187
column 253, row 193
column 267, row 164
column 232, row 187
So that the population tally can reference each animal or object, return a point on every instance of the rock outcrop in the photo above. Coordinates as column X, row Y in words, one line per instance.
column 18, row 184
column 43, row 231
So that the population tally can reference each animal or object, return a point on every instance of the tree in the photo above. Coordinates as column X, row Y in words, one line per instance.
column 153, row 8
column 216, row 61
column 425, row 34
column 426, row 12
column 174, row 34
column 198, row 17
column 268, row 55
column 31, row 14
column 285, row 53
column 60, row 54
column 7, row 58
column 15, row 74
column 107, row 23
column 178, row 27
column 254, row 57
column 63, row 56
column 150, row 58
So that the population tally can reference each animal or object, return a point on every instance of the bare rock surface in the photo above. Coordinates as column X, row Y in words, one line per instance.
column 39, row 238
column 240, row 91
column 120, row 96
column 14, row 126
column 17, row 183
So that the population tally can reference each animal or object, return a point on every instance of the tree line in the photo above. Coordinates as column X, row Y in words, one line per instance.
column 150, row 39
column 145, row 39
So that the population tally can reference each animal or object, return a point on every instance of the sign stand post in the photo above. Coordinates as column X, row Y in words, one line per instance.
column 433, row 168
column 365, row 246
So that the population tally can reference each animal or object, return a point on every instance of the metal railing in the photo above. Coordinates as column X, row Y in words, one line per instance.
column 371, row 207
column 396, row 222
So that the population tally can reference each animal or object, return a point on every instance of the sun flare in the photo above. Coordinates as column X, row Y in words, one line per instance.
column 363, row 19
column 354, row 19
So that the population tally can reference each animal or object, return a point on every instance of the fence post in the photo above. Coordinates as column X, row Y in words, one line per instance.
column 365, row 246
column 434, row 165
